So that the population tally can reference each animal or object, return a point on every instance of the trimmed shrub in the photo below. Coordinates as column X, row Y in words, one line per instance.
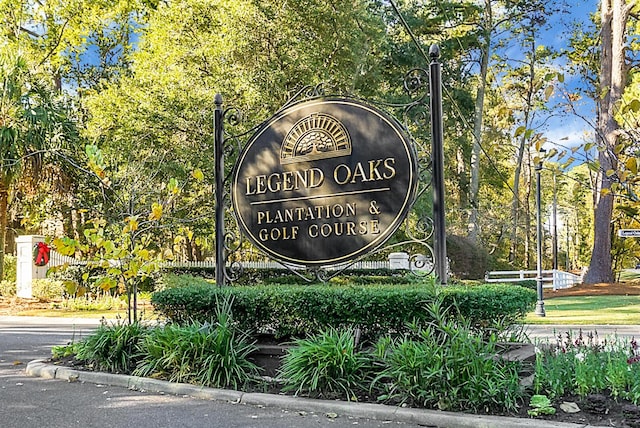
column 300, row 311
column 531, row 284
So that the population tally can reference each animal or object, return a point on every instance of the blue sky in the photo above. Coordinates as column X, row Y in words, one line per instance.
column 570, row 130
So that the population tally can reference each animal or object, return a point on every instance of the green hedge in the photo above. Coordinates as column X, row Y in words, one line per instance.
column 253, row 276
column 299, row 311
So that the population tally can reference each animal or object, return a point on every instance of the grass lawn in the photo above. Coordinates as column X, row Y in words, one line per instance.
column 584, row 310
column 107, row 308
column 110, row 315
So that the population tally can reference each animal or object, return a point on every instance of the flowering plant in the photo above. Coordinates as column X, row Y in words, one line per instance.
column 585, row 364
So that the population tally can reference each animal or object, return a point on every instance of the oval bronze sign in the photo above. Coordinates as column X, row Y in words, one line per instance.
column 324, row 181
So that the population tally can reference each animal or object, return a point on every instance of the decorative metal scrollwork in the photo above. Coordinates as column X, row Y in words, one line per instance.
column 417, row 232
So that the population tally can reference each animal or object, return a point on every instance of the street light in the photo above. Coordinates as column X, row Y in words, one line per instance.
column 540, row 304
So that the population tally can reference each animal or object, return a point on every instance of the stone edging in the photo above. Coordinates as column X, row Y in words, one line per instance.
column 40, row 368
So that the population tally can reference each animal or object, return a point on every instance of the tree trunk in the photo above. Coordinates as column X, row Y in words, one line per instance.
column 4, row 197
column 529, row 227
column 613, row 70
column 474, row 186
column 522, row 148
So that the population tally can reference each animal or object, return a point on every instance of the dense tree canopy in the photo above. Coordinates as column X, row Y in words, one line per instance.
column 137, row 80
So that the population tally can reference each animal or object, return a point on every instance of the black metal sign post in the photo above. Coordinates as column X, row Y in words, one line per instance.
column 327, row 181
column 219, row 190
column 437, row 158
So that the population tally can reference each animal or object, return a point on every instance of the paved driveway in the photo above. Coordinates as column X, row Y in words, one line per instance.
column 30, row 402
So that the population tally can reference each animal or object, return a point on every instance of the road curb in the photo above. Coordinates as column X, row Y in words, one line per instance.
column 434, row 418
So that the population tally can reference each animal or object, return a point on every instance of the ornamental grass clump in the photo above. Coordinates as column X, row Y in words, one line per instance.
column 586, row 364
column 210, row 354
column 114, row 348
column 446, row 365
column 328, row 364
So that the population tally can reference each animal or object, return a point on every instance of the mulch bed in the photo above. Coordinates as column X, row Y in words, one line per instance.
column 605, row 289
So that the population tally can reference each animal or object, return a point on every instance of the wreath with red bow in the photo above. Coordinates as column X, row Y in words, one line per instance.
column 41, row 254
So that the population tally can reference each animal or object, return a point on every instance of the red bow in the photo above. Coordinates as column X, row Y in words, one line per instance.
column 42, row 258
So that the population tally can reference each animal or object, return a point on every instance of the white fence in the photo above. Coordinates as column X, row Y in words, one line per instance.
column 275, row 265
column 57, row 259
column 555, row 279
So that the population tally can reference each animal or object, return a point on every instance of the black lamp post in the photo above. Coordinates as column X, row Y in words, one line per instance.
column 540, row 304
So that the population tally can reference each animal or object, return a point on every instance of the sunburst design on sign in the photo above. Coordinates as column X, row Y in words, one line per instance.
column 317, row 136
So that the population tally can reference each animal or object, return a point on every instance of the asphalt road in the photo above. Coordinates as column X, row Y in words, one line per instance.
column 30, row 402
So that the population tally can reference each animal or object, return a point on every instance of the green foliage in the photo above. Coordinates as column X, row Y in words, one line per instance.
column 446, row 365
column 7, row 288
column 114, row 348
column 79, row 280
column 46, row 289
column 531, row 284
column 123, row 256
column 10, row 263
column 584, row 364
column 327, row 364
column 540, row 405
column 64, row 351
column 468, row 260
column 486, row 304
column 299, row 311
column 99, row 303
column 172, row 280
column 252, row 276
column 206, row 354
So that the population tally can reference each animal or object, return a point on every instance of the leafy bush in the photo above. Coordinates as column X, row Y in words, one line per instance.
column 446, row 365
column 540, row 405
column 171, row 280
column 300, row 311
column 8, row 288
column 63, row 351
column 79, row 280
column 327, row 364
column 206, row 354
column 531, row 284
column 467, row 259
column 46, row 289
column 10, row 266
column 103, row 303
column 114, row 348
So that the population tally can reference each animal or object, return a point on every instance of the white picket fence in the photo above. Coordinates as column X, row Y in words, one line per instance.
column 57, row 259
column 554, row 278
